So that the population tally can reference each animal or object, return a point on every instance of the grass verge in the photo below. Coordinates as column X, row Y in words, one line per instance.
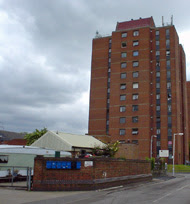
column 179, row 168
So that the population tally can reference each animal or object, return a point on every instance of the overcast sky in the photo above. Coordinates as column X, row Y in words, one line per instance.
column 45, row 55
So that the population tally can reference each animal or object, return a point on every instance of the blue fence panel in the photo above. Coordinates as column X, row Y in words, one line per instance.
column 48, row 165
column 78, row 165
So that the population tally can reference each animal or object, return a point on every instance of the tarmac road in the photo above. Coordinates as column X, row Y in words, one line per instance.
column 162, row 190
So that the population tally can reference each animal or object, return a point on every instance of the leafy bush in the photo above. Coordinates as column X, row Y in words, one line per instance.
column 107, row 150
column 152, row 160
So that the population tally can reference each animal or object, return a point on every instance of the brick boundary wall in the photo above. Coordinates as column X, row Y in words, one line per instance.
column 105, row 172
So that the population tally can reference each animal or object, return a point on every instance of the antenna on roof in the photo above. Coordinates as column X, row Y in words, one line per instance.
column 172, row 20
column 163, row 21
column 97, row 34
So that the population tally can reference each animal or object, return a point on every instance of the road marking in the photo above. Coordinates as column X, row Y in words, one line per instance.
column 170, row 193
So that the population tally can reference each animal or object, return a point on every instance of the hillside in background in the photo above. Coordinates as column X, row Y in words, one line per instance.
column 7, row 135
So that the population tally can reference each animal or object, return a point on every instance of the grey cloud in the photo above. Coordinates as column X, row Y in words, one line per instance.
column 45, row 56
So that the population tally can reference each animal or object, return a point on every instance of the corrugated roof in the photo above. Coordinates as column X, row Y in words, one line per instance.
column 85, row 141
column 142, row 22
column 16, row 149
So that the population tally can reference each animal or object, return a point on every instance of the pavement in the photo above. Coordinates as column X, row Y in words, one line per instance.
column 16, row 194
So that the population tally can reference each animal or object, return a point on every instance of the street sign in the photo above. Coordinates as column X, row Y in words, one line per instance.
column 163, row 153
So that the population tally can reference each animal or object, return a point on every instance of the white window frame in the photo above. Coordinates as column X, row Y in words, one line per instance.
column 135, row 85
column 136, row 33
column 124, row 35
column 135, row 96
column 122, row 109
column 135, row 53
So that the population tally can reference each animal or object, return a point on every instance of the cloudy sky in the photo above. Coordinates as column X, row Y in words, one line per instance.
column 45, row 55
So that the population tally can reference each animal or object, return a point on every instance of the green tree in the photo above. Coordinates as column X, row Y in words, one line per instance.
column 32, row 137
column 107, row 150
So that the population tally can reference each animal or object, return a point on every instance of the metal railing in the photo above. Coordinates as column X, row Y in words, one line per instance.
column 12, row 174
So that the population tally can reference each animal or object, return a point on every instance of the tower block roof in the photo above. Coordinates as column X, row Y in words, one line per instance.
column 142, row 22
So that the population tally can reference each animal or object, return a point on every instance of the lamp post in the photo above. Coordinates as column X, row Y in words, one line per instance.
column 151, row 140
column 180, row 134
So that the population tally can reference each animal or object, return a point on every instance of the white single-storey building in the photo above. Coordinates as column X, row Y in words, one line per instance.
column 60, row 141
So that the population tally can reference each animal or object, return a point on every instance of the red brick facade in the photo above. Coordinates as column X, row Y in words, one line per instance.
column 158, row 80
column 14, row 142
column 105, row 172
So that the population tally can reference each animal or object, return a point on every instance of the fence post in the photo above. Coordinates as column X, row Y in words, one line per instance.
column 27, row 177
column 12, row 176
column 29, row 180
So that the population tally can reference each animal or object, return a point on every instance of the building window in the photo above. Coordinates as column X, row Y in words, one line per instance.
column 123, row 64
column 158, row 131
column 108, row 100
column 109, row 60
column 109, row 50
column 167, row 53
column 158, row 119
column 169, row 120
column 108, row 90
column 157, row 32
column 168, row 74
column 169, row 96
column 135, row 107
column 135, row 85
column 167, row 42
column 157, row 42
column 135, row 74
column 170, row 144
column 124, row 35
column 122, row 109
column 122, row 86
column 4, row 158
column 135, row 53
column 123, row 44
column 123, row 55
column 158, row 64
column 122, row 120
column 135, row 131
column 168, row 85
column 168, row 63
column 135, row 43
column 135, row 96
column 135, row 141
column 158, row 143
column 169, row 132
column 157, row 85
column 122, row 132
column 135, row 119
column 123, row 75
column 169, row 108
column 157, row 108
column 157, row 74
column 157, row 96
column 135, row 64
column 167, row 32
column 109, row 79
column 136, row 33
column 122, row 97
column 157, row 53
